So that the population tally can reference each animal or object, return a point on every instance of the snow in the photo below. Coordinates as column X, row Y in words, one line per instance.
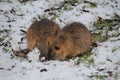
column 15, row 16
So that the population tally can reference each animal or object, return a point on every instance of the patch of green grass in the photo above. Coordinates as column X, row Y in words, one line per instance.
column 99, row 36
column 116, row 76
column 86, row 58
column 101, row 77
column 106, row 28
column 20, row 14
column 16, row 57
column 54, row 17
column 5, row 49
column 77, row 14
column 101, row 63
column 4, row 37
column 93, row 6
column 22, row 26
column 102, row 26
column 68, row 6
column 115, row 33
column 114, row 49
column 113, row 40
column 102, row 23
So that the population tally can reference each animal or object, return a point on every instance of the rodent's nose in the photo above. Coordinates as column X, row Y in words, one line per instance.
column 49, row 50
column 50, row 54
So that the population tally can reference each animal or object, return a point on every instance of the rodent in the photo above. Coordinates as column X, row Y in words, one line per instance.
column 42, row 34
column 75, row 39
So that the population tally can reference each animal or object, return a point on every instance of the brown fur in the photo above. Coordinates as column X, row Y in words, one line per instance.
column 41, row 34
column 75, row 40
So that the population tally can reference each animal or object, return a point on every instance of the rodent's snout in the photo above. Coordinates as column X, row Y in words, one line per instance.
column 50, row 54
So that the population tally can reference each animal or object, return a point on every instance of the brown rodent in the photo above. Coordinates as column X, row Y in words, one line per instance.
column 76, row 39
column 42, row 34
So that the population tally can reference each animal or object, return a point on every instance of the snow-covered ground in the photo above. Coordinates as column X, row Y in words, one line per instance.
column 16, row 16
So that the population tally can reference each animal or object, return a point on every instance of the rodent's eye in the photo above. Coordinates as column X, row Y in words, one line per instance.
column 56, row 48
column 48, row 43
